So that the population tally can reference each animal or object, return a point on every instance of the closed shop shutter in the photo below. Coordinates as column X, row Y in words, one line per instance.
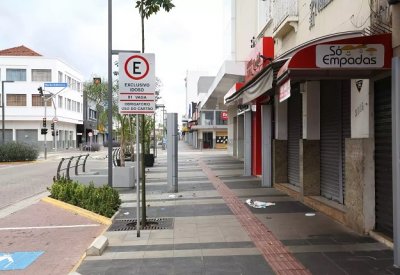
column 346, row 127
column 383, row 158
column 294, row 134
column 335, row 127
column 27, row 136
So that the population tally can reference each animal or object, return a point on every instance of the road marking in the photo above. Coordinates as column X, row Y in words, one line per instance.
column 49, row 227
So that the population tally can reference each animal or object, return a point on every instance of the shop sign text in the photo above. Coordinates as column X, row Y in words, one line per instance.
column 350, row 56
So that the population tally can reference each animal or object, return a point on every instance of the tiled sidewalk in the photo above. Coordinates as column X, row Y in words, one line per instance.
column 214, row 232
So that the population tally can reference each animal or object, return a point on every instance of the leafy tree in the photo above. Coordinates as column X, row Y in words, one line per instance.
column 146, row 9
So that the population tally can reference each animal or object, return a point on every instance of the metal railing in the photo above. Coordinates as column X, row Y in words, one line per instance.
column 79, row 161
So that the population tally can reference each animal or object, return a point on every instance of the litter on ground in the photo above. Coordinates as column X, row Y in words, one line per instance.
column 259, row 204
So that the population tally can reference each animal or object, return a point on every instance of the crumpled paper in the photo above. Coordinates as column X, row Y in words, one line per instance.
column 259, row 204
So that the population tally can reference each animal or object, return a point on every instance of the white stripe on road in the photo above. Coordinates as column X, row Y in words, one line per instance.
column 49, row 227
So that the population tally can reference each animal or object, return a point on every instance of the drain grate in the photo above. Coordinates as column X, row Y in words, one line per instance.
column 152, row 224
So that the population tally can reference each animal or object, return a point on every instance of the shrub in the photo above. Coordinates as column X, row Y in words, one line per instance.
column 17, row 151
column 101, row 200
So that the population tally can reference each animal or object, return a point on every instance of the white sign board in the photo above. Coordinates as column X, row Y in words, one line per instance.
column 137, row 83
column 350, row 56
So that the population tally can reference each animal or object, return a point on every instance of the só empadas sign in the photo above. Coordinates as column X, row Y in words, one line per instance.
column 350, row 56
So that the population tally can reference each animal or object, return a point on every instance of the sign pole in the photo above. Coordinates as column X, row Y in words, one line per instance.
column 137, row 178
column 110, row 120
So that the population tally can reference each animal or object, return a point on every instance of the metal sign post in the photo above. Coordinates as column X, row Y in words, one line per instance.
column 172, row 151
column 137, row 178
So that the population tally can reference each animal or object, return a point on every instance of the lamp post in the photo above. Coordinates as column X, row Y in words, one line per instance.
column 2, row 109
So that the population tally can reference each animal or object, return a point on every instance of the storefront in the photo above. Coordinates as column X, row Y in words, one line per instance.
column 337, row 94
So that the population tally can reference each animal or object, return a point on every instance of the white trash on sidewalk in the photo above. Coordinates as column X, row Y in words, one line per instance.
column 259, row 204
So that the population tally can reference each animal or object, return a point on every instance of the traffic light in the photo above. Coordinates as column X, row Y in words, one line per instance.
column 40, row 89
column 44, row 122
column 52, row 126
column 43, row 131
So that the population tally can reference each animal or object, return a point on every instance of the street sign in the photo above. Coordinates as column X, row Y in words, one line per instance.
column 137, row 82
column 55, row 85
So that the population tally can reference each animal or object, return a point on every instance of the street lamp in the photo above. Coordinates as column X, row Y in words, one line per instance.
column 2, row 109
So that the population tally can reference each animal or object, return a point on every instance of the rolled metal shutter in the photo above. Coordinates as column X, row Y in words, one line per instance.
column 383, row 158
column 331, row 141
column 294, row 135
column 346, row 128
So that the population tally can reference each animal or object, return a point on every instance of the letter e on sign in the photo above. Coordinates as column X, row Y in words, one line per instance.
column 136, row 67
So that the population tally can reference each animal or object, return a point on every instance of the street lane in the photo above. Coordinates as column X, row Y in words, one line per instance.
column 19, row 181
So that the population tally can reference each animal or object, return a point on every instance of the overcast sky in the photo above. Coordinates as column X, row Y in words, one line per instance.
column 75, row 31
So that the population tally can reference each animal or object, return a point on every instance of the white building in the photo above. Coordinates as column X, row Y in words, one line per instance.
column 24, row 107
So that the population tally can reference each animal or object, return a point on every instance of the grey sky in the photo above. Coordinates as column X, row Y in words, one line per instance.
column 187, row 38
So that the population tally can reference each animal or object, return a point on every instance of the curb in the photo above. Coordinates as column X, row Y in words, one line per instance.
column 80, row 211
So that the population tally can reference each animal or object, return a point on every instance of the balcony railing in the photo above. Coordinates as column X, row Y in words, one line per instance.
column 283, row 9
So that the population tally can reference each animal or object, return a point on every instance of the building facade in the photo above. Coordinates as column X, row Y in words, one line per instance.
column 312, row 116
column 24, row 106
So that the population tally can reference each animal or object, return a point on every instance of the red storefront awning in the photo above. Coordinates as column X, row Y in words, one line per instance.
column 356, row 57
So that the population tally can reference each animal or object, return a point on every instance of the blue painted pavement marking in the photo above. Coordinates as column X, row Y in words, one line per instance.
column 18, row 260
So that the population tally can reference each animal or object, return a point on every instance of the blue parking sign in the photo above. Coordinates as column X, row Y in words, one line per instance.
column 18, row 260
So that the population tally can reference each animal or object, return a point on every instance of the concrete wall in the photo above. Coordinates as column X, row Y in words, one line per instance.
column 309, row 167
column 279, row 161
column 360, row 184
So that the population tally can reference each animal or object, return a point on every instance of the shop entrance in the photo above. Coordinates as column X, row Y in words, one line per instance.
column 207, row 140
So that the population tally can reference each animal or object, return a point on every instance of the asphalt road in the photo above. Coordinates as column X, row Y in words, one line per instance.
column 19, row 181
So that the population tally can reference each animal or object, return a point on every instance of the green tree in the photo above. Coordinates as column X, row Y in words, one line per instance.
column 146, row 9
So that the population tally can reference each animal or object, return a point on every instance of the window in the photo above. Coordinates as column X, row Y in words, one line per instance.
column 16, row 100
column 16, row 74
column 60, row 76
column 68, row 80
column 41, row 75
column 219, row 118
column 60, row 101
column 37, row 100
column 79, row 107
column 207, row 118
column 69, row 105
column 92, row 114
column 73, row 84
column 79, row 87
column 74, row 106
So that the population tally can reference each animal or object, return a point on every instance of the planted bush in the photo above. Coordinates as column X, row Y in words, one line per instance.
column 101, row 200
column 18, row 151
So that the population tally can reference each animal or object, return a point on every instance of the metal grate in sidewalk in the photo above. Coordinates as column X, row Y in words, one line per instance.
column 152, row 224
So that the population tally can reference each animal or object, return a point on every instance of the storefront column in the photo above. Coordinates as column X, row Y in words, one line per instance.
column 240, row 136
column 396, row 155
column 279, row 144
column 247, row 144
column 359, row 160
column 231, row 150
column 266, row 125
column 309, row 144
column 233, row 136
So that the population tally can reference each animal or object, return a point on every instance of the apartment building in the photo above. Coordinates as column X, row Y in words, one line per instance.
column 26, row 111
